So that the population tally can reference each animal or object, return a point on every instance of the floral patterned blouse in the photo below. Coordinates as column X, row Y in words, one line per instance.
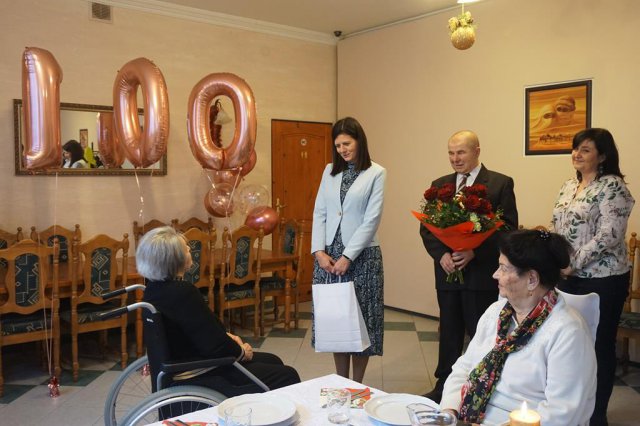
column 595, row 223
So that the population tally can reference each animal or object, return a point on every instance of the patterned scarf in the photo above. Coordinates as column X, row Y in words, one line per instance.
column 483, row 379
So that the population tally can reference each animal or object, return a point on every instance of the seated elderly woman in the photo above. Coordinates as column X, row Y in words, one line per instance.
column 529, row 345
column 193, row 331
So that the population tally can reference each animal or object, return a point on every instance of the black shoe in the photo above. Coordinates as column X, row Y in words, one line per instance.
column 435, row 395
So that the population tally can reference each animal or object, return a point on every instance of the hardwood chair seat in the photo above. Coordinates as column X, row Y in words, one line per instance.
column 17, row 324
column 630, row 320
column 88, row 312
column 239, row 292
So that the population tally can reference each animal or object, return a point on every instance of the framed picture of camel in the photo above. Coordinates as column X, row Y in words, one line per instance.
column 554, row 113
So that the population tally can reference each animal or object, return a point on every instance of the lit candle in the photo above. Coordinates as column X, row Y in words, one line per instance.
column 524, row 417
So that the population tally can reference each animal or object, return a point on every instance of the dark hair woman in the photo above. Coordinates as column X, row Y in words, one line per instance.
column 346, row 216
column 73, row 155
column 541, row 350
column 592, row 211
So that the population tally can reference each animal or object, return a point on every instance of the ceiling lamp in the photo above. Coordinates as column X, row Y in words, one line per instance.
column 463, row 32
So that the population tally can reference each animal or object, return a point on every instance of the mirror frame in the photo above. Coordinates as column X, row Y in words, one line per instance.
column 17, row 129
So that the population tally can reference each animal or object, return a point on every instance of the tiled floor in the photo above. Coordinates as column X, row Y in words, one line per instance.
column 410, row 356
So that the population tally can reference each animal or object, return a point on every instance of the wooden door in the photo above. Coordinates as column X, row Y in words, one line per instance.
column 299, row 153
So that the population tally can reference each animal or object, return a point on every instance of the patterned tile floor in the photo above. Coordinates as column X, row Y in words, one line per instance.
column 410, row 356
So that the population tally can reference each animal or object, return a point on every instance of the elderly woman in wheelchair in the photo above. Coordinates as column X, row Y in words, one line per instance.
column 191, row 330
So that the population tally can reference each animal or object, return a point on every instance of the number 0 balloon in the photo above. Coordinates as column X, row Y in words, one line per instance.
column 208, row 154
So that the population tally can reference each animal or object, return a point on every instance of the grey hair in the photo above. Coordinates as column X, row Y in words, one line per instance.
column 160, row 255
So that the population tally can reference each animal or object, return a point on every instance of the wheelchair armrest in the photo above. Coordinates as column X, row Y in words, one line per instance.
column 193, row 365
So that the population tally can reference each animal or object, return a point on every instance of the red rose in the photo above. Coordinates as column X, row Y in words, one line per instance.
column 485, row 207
column 476, row 189
column 431, row 194
column 472, row 203
column 446, row 192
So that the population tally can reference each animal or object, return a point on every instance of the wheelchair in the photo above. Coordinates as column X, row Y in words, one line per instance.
column 136, row 399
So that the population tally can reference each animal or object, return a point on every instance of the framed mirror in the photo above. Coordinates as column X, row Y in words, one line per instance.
column 79, row 122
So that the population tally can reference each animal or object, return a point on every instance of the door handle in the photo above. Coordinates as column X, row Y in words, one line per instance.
column 279, row 206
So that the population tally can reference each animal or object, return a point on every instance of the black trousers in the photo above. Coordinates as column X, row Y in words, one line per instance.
column 265, row 366
column 460, row 311
column 613, row 291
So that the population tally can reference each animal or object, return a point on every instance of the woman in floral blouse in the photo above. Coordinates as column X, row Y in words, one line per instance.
column 591, row 212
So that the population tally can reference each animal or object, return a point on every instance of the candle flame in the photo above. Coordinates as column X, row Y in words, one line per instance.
column 524, row 408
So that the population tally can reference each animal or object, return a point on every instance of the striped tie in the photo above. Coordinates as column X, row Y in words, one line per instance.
column 463, row 182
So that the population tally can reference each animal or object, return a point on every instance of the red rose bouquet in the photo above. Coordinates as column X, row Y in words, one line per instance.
column 461, row 220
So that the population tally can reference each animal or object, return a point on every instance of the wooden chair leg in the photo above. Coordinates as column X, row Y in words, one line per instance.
column 256, row 319
column 124, row 353
column 74, row 355
column 295, row 308
column 41, row 347
column 261, row 316
column 1, row 375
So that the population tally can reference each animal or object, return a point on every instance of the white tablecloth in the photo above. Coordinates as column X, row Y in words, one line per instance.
column 306, row 396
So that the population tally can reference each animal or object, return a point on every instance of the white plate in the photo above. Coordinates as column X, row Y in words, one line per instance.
column 392, row 408
column 266, row 410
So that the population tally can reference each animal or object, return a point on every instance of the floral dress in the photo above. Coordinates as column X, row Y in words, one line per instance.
column 594, row 221
column 367, row 275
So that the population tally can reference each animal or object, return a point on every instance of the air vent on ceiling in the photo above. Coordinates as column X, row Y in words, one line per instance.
column 101, row 12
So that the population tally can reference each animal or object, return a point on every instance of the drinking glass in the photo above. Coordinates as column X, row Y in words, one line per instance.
column 237, row 416
column 338, row 405
column 422, row 414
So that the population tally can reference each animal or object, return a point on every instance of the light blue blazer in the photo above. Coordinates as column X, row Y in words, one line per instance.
column 358, row 217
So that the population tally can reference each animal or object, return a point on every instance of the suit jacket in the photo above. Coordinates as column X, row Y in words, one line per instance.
column 359, row 215
column 478, row 273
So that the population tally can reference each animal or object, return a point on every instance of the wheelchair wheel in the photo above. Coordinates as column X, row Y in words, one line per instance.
column 127, row 392
column 172, row 402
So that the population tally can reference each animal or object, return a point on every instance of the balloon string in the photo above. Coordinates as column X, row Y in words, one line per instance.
column 48, row 332
column 141, row 211
column 233, row 190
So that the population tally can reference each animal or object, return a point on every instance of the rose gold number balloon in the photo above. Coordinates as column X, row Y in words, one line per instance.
column 202, row 146
column 147, row 146
column 111, row 152
column 41, row 78
column 249, row 165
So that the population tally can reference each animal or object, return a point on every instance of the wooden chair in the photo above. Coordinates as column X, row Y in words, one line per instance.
column 240, row 272
column 21, row 315
column 65, row 239
column 140, row 230
column 193, row 222
column 200, row 274
column 629, row 325
column 278, row 286
column 8, row 239
column 98, row 263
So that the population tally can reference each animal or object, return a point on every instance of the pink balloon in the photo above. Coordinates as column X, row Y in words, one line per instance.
column 141, row 148
column 204, row 148
column 218, row 200
column 111, row 151
column 263, row 216
column 41, row 78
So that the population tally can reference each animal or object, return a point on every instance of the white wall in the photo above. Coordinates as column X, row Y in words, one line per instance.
column 291, row 79
column 411, row 90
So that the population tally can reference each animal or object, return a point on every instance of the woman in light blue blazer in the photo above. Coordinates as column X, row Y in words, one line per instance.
column 346, row 216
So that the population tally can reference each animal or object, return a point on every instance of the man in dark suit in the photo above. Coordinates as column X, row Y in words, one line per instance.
column 462, row 304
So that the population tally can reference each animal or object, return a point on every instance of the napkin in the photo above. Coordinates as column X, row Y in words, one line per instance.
column 358, row 396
